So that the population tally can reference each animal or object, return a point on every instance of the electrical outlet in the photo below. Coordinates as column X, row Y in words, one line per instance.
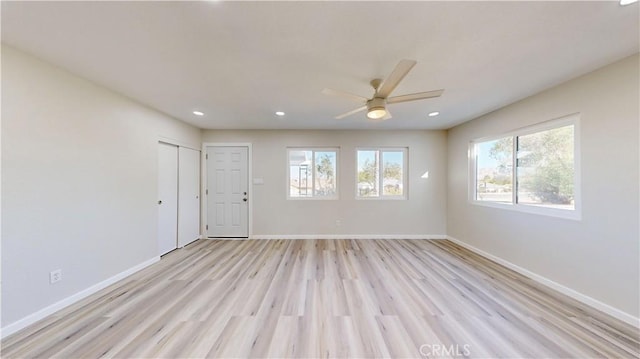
column 55, row 276
column 338, row 223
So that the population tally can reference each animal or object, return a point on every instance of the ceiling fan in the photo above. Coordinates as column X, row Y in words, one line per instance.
column 377, row 105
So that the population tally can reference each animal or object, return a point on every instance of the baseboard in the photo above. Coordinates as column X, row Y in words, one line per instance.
column 585, row 299
column 42, row 313
column 348, row 236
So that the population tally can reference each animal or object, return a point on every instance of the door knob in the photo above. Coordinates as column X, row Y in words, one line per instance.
column 160, row 202
column 244, row 199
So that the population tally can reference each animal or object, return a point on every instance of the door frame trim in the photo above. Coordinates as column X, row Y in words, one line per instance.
column 203, row 182
column 172, row 141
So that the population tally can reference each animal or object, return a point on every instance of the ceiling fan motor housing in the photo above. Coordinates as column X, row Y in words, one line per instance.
column 376, row 103
column 376, row 108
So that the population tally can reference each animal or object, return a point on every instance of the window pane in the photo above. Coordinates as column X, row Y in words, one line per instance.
column 545, row 172
column 368, row 174
column 300, row 174
column 494, row 170
column 392, row 169
column 325, row 184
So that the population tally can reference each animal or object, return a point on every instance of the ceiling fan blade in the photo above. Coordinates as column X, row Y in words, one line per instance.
column 340, row 117
column 350, row 96
column 415, row 96
column 390, row 83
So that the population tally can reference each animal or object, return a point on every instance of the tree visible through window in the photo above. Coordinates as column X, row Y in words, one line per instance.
column 546, row 168
column 312, row 173
column 381, row 173
column 494, row 170
column 541, row 163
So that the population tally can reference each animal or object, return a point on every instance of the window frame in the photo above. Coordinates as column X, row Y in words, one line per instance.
column 313, row 152
column 405, row 173
column 574, row 214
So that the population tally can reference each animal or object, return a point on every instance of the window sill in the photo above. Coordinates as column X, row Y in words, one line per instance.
column 399, row 198
column 312, row 198
column 574, row 214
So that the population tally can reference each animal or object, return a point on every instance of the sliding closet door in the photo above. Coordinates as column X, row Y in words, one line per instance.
column 188, row 196
column 167, row 197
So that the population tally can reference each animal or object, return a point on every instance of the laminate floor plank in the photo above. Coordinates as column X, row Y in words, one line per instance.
column 325, row 298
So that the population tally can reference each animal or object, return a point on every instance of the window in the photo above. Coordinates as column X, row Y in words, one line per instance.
column 494, row 170
column 533, row 169
column 312, row 173
column 381, row 173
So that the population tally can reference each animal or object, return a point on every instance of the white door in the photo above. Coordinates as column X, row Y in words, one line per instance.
column 227, row 192
column 167, row 197
column 188, row 196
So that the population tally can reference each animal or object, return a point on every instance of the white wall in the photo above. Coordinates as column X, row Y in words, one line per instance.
column 597, row 256
column 79, row 180
column 422, row 214
column 79, row 170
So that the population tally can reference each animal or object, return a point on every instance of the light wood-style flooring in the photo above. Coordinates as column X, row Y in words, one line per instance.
column 325, row 298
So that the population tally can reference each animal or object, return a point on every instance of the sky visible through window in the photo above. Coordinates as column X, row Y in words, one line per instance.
column 394, row 157
column 482, row 153
column 307, row 160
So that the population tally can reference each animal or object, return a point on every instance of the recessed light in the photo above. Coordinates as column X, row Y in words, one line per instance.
column 280, row 113
column 198, row 113
column 435, row 113
column 627, row 2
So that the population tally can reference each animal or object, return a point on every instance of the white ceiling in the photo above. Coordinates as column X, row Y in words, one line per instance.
column 239, row 62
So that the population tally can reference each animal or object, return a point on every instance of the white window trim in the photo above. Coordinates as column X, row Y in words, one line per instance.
column 314, row 150
column 574, row 214
column 405, row 174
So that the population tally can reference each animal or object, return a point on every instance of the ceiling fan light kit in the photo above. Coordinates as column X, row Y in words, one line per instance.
column 376, row 106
